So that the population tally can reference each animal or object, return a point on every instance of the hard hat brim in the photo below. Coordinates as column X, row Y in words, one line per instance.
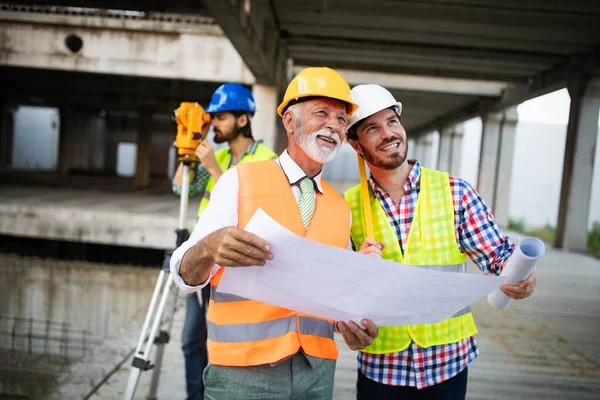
column 350, row 106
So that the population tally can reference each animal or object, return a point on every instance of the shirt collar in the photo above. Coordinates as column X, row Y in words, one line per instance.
column 250, row 149
column 412, row 180
column 294, row 173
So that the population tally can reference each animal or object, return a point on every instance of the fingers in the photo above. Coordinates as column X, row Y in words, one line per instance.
column 233, row 247
column 522, row 290
column 357, row 338
column 371, row 247
column 203, row 149
column 372, row 329
column 253, row 245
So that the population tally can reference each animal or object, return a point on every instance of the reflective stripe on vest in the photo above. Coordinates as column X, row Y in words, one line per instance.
column 245, row 332
column 431, row 244
column 223, row 158
column 269, row 329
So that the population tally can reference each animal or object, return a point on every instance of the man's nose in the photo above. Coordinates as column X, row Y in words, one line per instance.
column 386, row 132
column 333, row 124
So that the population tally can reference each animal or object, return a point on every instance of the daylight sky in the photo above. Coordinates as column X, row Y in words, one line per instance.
column 552, row 108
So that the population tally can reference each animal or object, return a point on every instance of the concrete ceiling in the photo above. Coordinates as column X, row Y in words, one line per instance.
column 531, row 46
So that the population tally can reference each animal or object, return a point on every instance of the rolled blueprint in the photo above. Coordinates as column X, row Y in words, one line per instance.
column 519, row 266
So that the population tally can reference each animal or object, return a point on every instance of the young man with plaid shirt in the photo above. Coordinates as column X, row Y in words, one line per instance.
column 421, row 217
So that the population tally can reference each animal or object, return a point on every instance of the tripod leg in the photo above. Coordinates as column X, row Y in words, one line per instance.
column 163, row 338
column 141, row 363
column 140, row 359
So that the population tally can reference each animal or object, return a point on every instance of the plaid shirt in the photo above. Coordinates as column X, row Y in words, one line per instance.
column 201, row 177
column 478, row 236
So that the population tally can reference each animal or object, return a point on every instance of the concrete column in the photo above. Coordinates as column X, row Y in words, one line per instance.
column 578, row 167
column 435, row 150
column 142, row 168
column 264, row 123
column 6, row 133
column 413, row 149
column 495, row 161
column 445, row 146
column 456, row 141
column 425, row 150
column 65, row 144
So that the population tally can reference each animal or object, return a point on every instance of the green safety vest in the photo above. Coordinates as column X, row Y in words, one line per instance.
column 431, row 244
column 223, row 157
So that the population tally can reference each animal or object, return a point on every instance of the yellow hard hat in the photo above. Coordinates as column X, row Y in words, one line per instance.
column 318, row 82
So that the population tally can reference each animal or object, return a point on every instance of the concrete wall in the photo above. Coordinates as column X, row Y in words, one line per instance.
column 97, row 298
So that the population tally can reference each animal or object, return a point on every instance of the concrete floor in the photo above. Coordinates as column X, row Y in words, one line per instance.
column 136, row 218
column 545, row 347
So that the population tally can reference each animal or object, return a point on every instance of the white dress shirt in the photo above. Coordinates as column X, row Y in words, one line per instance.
column 222, row 212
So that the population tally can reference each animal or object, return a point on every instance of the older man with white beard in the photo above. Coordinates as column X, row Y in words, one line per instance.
column 258, row 350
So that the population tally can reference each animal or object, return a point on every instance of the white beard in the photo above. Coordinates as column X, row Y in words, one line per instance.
column 321, row 154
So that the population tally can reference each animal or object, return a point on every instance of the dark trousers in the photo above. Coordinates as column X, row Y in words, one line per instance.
column 193, row 343
column 454, row 388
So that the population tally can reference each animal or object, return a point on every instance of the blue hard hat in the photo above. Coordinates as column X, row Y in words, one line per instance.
column 231, row 97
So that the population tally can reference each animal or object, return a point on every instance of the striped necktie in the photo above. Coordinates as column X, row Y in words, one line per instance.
column 306, row 204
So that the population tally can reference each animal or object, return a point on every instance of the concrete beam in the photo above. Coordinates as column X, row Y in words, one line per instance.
column 421, row 83
column 254, row 31
column 578, row 167
column 460, row 115
column 538, row 84
column 443, row 59
column 548, row 80
column 158, row 53
column 156, row 22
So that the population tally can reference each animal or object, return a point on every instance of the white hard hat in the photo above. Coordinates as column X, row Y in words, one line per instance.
column 371, row 99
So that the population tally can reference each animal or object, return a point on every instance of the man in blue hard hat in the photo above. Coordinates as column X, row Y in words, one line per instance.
column 231, row 109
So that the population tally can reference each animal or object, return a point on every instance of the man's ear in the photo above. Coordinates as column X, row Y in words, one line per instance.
column 289, row 122
column 242, row 121
column 355, row 145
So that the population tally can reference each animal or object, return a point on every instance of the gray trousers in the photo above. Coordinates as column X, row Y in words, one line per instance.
column 299, row 377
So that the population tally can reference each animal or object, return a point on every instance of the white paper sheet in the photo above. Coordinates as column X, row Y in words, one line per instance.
column 343, row 285
column 527, row 253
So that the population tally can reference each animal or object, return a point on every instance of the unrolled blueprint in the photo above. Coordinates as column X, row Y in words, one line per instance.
column 343, row 285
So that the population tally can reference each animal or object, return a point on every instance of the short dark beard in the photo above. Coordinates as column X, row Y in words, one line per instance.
column 390, row 164
column 223, row 139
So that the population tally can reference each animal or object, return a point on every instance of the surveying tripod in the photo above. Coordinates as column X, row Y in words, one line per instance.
column 192, row 122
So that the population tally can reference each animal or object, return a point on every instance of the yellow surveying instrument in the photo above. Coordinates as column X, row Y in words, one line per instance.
column 192, row 122
column 192, row 125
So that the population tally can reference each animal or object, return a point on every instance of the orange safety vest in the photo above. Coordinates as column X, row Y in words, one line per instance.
column 244, row 332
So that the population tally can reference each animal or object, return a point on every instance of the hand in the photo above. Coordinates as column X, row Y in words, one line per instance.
column 521, row 291
column 371, row 248
column 355, row 337
column 234, row 247
column 206, row 155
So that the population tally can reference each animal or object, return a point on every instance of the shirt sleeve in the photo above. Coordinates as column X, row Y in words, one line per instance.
column 478, row 233
column 220, row 213
column 197, row 183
